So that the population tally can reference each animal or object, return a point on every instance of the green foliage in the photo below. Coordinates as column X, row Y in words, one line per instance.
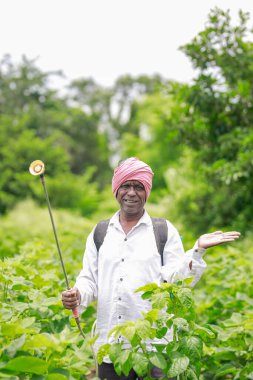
column 171, row 308
column 36, row 123
column 226, row 304
column 35, row 332
column 215, row 342
column 216, row 332
column 218, row 120
column 198, row 140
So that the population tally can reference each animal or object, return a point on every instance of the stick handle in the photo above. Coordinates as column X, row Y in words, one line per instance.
column 75, row 312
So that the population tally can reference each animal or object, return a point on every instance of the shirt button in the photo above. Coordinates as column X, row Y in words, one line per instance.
column 122, row 259
column 119, row 316
column 119, row 298
column 125, row 239
column 121, row 279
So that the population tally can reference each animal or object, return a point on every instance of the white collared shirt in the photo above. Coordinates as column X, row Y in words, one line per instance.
column 126, row 262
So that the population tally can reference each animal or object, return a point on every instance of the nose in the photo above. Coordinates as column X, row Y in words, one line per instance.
column 131, row 190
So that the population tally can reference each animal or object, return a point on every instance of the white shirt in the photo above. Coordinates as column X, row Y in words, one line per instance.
column 126, row 262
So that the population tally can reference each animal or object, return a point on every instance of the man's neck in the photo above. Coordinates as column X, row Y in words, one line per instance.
column 129, row 221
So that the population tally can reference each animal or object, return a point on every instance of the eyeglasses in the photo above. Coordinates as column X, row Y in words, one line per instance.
column 128, row 186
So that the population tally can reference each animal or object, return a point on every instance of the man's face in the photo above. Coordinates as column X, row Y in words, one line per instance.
column 132, row 197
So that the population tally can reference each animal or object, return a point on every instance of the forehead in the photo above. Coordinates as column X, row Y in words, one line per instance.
column 132, row 182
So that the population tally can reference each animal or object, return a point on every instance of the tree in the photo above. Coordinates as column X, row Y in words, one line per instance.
column 218, row 122
column 37, row 123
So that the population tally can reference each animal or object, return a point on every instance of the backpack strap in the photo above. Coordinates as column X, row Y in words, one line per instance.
column 159, row 226
column 100, row 232
column 161, row 234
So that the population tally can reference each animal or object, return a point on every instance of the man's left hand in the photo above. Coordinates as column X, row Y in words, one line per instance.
column 217, row 238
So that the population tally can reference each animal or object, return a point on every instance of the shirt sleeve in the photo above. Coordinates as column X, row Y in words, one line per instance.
column 176, row 261
column 86, row 281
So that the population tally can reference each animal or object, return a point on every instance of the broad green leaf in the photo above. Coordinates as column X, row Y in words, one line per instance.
column 21, row 306
column 123, row 356
column 102, row 352
column 125, row 360
column 188, row 280
column 140, row 364
column 191, row 375
column 147, row 288
column 135, row 341
column 129, row 330
column 27, row 364
column 158, row 360
column 15, row 345
column 159, row 347
column 161, row 332
column 167, row 286
column 178, row 366
column 16, row 328
column 192, row 347
column 39, row 341
column 147, row 295
column 225, row 354
column 203, row 331
column 171, row 346
column 114, row 351
column 181, row 324
column 247, row 371
column 248, row 324
column 226, row 369
column 185, row 297
column 8, row 377
column 236, row 319
column 93, row 340
column 116, row 331
column 152, row 315
column 56, row 376
column 6, row 314
column 27, row 322
column 117, row 367
column 143, row 328
column 159, row 300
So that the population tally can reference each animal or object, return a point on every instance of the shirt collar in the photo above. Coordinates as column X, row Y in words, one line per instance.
column 145, row 219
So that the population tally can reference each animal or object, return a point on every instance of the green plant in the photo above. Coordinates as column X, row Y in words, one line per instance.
column 171, row 322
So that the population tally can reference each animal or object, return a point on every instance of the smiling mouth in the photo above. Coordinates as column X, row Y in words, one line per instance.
column 129, row 201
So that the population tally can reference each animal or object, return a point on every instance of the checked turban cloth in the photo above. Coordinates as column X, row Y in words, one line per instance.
column 132, row 169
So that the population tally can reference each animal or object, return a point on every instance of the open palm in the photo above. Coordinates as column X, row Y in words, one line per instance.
column 216, row 238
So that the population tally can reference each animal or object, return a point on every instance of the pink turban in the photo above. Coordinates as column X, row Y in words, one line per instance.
column 132, row 169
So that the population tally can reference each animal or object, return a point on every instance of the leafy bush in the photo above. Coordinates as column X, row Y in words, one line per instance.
column 172, row 308
column 36, row 336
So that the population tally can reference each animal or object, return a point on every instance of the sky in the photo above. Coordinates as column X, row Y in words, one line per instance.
column 105, row 39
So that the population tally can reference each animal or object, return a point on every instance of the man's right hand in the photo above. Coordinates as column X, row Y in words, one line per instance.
column 71, row 298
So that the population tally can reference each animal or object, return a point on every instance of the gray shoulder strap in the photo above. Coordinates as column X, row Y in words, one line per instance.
column 159, row 226
column 161, row 234
column 100, row 232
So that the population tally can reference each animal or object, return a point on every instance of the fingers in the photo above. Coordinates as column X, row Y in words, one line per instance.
column 71, row 298
column 231, row 235
column 226, row 237
column 217, row 238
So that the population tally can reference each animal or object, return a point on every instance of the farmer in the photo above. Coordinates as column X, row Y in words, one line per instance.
column 129, row 258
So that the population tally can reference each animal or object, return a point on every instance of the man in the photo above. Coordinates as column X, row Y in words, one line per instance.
column 129, row 258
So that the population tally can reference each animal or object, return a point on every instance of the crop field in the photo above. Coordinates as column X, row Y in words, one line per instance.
column 39, row 338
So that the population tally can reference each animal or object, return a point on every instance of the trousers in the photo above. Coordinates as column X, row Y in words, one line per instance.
column 106, row 371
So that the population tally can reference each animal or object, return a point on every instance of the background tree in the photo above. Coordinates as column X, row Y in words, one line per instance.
column 218, row 123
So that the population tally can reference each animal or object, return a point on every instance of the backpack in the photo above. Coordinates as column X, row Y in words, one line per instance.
column 159, row 226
